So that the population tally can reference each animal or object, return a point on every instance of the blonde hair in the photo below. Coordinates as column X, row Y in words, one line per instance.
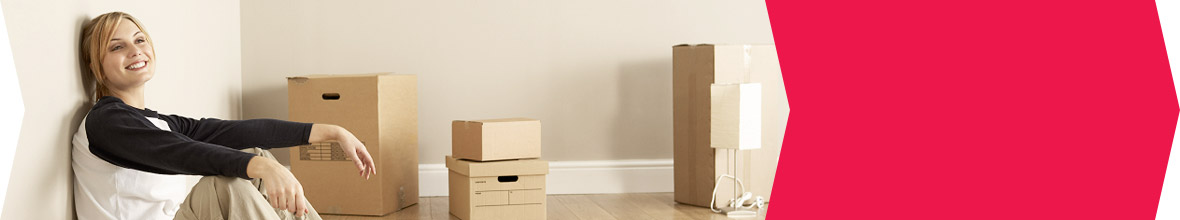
column 96, row 36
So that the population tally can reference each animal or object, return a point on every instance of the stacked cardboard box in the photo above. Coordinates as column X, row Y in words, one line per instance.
column 695, row 69
column 382, row 111
column 495, row 172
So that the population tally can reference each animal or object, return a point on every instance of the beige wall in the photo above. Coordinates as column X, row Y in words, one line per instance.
column 597, row 73
column 198, row 46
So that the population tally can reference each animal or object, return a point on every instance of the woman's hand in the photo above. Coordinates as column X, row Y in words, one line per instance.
column 357, row 152
column 285, row 192
column 352, row 147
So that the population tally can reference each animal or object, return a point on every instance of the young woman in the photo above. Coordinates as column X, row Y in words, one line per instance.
column 126, row 156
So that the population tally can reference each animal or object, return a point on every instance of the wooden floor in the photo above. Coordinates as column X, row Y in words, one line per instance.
column 598, row 206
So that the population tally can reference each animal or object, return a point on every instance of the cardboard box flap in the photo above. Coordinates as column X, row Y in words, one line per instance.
column 498, row 168
column 318, row 76
column 718, row 45
column 500, row 120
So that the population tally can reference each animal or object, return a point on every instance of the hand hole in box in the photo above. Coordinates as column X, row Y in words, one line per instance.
column 331, row 96
column 507, row 179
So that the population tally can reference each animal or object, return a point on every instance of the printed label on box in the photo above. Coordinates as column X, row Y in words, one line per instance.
column 328, row 151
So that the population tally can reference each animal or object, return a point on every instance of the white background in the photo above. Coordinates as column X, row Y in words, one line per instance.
column 11, row 115
column 1169, row 207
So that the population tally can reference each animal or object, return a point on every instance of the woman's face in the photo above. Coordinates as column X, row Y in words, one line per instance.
column 129, row 61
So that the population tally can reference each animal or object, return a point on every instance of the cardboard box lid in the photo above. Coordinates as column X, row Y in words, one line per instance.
column 320, row 76
column 500, row 120
column 498, row 168
column 707, row 44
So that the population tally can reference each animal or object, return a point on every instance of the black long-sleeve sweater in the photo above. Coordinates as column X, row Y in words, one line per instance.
column 122, row 135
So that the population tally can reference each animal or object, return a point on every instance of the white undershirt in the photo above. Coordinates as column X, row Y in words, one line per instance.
column 105, row 191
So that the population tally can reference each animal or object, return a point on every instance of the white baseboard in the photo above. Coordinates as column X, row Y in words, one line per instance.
column 576, row 177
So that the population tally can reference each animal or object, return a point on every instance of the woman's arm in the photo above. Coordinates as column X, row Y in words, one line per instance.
column 269, row 133
column 352, row 147
column 324, row 132
column 241, row 134
column 286, row 193
column 127, row 139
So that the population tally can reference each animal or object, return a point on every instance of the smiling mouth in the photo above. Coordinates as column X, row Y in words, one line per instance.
column 137, row 65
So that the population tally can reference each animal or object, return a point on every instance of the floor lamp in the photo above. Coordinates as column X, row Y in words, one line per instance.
column 735, row 125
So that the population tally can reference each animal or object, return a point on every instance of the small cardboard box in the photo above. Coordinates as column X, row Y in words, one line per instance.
column 508, row 189
column 382, row 111
column 496, row 139
column 696, row 165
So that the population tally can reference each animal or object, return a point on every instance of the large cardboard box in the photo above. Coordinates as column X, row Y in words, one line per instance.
column 507, row 189
column 382, row 111
column 696, row 166
column 496, row 139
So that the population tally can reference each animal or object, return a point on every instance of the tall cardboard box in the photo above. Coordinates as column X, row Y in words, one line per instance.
column 382, row 111
column 507, row 189
column 496, row 139
column 696, row 166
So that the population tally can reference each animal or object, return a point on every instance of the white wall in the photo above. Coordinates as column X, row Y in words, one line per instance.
column 198, row 46
column 597, row 73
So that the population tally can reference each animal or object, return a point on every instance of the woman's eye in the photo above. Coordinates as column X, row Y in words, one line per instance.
column 139, row 41
column 116, row 48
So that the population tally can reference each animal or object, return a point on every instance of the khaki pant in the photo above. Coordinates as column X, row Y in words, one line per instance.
column 232, row 198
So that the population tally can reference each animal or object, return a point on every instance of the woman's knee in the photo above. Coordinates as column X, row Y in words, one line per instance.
column 260, row 152
column 224, row 183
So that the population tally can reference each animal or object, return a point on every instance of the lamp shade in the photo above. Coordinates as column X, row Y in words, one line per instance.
column 736, row 116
